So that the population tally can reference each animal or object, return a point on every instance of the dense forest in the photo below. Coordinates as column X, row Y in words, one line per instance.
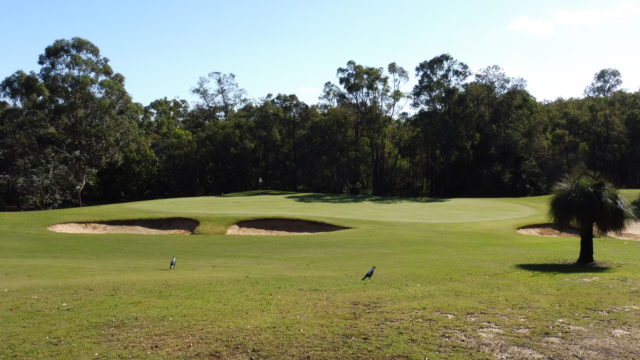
column 71, row 134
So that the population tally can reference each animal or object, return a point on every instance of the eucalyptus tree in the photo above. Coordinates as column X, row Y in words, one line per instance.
column 73, row 116
column 293, row 124
column 606, row 128
column 438, row 79
column 373, row 96
column 631, row 103
column 589, row 203
column 478, row 137
column 332, row 96
column 135, row 174
column 495, row 77
column 161, row 116
column 219, row 95
column 26, row 169
column 34, row 174
column 328, row 154
column 89, row 108
column 518, row 142
column 605, row 83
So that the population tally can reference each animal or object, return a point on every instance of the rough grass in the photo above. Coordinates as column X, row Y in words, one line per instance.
column 453, row 280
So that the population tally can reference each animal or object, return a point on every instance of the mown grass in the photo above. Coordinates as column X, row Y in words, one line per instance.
column 453, row 281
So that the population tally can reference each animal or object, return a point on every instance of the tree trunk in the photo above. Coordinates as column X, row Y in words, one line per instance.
column 586, row 244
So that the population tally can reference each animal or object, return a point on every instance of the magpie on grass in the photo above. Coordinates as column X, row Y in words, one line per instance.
column 369, row 273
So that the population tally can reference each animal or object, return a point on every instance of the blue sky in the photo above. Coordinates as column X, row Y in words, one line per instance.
column 163, row 47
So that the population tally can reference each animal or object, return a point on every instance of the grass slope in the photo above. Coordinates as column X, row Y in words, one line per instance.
column 453, row 281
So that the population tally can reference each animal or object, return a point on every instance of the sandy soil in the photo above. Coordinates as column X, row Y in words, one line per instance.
column 548, row 230
column 146, row 226
column 280, row 227
column 631, row 232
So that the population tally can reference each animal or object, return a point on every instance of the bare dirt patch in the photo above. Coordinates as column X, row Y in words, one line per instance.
column 140, row 226
column 597, row 338
column 631, row 231
column 278, row 226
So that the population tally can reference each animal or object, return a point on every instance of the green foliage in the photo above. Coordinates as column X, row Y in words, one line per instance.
column 67, row 122
column 438, row 80
column 605, row 83
column 372, row 97
column 585, row 199
column 635, row 207
column 220, row 95
column 71, row 131
column 495, row 77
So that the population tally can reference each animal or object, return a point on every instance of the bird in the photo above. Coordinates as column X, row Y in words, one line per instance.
column 369, row 273
column 173, row 263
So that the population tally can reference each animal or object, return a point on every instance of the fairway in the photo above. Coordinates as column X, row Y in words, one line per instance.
column 453, row 280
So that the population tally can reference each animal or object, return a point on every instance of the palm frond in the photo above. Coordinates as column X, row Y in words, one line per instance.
column 587, row 199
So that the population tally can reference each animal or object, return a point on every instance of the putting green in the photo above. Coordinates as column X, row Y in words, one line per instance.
column 363, row 208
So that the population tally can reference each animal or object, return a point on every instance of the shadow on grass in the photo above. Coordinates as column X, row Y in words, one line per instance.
column 257, row 193
column 566, row 268
column 345, row 198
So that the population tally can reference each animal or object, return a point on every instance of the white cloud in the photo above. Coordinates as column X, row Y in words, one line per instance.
column 590, row 17
column 615, row 14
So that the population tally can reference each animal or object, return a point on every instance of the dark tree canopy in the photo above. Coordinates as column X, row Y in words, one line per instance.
column 73, row 115
column 437, row 79
column 70, row 133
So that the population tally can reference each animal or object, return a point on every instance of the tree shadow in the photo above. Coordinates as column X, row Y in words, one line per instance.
column 346, row 198
column 257, row 193
column 565, row 268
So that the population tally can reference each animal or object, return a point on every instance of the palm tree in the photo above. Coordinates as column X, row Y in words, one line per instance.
column 635, row 206
column 584, row 201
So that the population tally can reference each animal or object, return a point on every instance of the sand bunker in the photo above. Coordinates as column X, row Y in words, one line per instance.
column 631, row 232
column 280, row 227
column 142, row 226
column 548, row 230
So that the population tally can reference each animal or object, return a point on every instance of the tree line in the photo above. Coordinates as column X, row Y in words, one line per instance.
column 71, row 134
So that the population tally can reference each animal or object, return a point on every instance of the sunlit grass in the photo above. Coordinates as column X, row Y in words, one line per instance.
column 453, row 280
